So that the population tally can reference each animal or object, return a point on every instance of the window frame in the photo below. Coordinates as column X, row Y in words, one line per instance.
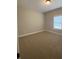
column 53, row 23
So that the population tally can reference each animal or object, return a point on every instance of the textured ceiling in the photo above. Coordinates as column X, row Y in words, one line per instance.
column 39, row 5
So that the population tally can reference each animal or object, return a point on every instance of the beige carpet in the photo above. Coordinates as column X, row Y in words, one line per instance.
column 43, row 45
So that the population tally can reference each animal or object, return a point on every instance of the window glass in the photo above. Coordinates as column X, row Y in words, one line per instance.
column 57, row 22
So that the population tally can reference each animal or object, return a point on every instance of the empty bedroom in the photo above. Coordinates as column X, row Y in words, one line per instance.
column 39, row 29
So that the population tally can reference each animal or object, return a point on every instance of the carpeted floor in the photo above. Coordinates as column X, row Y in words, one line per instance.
column 43, row 45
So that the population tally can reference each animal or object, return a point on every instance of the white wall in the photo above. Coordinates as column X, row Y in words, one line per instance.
column 48, row 21
column 29, row 21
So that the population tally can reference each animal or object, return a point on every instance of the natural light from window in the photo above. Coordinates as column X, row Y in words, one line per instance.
column 57, row 22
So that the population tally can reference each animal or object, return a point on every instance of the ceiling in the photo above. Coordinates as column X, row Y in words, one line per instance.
column 39, row 5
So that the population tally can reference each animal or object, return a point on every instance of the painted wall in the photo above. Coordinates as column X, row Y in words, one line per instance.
column 29, row 21
column 48, row 21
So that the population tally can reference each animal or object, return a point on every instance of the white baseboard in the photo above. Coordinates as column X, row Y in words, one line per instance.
column 53, row 32
column 38, row 32
column 30, row 33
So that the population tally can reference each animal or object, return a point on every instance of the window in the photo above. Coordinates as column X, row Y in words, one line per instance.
column 57, row 22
